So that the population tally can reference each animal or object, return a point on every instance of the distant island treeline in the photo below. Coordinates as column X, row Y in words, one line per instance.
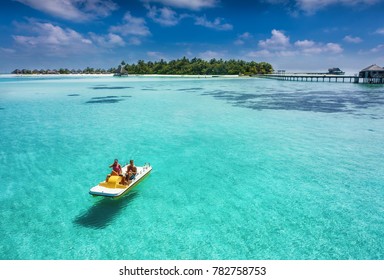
column 197, row 66
column 87, row 70
column 183, row 66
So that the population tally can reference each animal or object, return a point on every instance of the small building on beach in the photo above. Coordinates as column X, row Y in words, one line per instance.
column 121, row 71
column 373, row 74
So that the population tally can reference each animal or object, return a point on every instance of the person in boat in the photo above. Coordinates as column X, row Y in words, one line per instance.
column 116, row 170
column 131, row 171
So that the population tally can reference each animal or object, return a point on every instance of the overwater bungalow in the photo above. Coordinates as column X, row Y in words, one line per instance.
column 373, row 74
column 335, row 71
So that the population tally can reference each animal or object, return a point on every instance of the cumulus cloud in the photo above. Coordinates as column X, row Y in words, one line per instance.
column 278, row 41
column 305, row 44
column 186, row 4
column 242, row 38
column 245, row 35
column 48, row 39
column 51, row 36
column 216, row 24
column 311, row 47
column 351, row 39
column 168, row 17
column 278, row 45
column 164, row 16
column 131, row 26
column 107, row 41
column 333, row 48
column 73, row 10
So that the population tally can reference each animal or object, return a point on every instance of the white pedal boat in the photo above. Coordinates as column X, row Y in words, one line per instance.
column 114, row 188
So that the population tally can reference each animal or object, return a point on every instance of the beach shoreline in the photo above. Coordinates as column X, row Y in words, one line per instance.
column 132, row 75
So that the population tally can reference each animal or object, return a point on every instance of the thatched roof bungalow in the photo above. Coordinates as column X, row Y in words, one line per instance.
column 372, row 71
column 373, row 74
column 335, row 71
column 121, row 71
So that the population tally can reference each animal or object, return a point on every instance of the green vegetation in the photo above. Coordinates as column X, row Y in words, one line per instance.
column 87, row 70
column 197, row 66
column 184, row 66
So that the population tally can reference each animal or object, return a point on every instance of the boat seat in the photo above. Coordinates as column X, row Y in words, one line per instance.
column 114, row 179
column 112, row 182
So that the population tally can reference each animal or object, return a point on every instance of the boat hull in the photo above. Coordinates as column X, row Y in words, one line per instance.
column 113, row 188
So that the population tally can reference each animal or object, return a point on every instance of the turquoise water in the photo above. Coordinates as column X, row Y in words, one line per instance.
column 243, row 168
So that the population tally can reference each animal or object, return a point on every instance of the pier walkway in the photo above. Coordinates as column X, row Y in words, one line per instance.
column 314, row 78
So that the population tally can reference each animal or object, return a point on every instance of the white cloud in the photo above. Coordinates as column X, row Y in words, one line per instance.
column 379, row 48
column 311, row 47
column 207, row 55
column 311, row 6
column 7, row 50
column 134, row 41
column 267, row 53
column 164, row 16
column 115, row 39
column 279, row 46
column 187, row 4
column 156, row 55
column 351, row 39
column 304, row 44
column 239, row 42
column 308, row 47
column 131, row 26
column 333, row 48
column 74, row 10
column 245, row 35
column 261, row 53
column 278, row 41
column 52, row 37
column 242, row 38
column 216, row 24
column 48, row 39
column 287, row 53
column 107, row 41
column 380, row 31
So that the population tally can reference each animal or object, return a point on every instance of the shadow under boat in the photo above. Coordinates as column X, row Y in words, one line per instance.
column 103, row 212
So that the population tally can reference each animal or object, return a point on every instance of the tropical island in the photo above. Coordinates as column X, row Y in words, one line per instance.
column 183, row 66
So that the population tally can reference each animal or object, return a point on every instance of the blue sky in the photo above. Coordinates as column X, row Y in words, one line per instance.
column 295, row 35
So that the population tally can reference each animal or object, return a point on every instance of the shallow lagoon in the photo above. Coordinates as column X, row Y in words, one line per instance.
column 244, row 168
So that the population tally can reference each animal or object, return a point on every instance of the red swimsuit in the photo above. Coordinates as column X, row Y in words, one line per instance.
column 117, row 168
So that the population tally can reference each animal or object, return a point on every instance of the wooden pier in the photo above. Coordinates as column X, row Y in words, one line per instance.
column 314, row 78
column 373, row 74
